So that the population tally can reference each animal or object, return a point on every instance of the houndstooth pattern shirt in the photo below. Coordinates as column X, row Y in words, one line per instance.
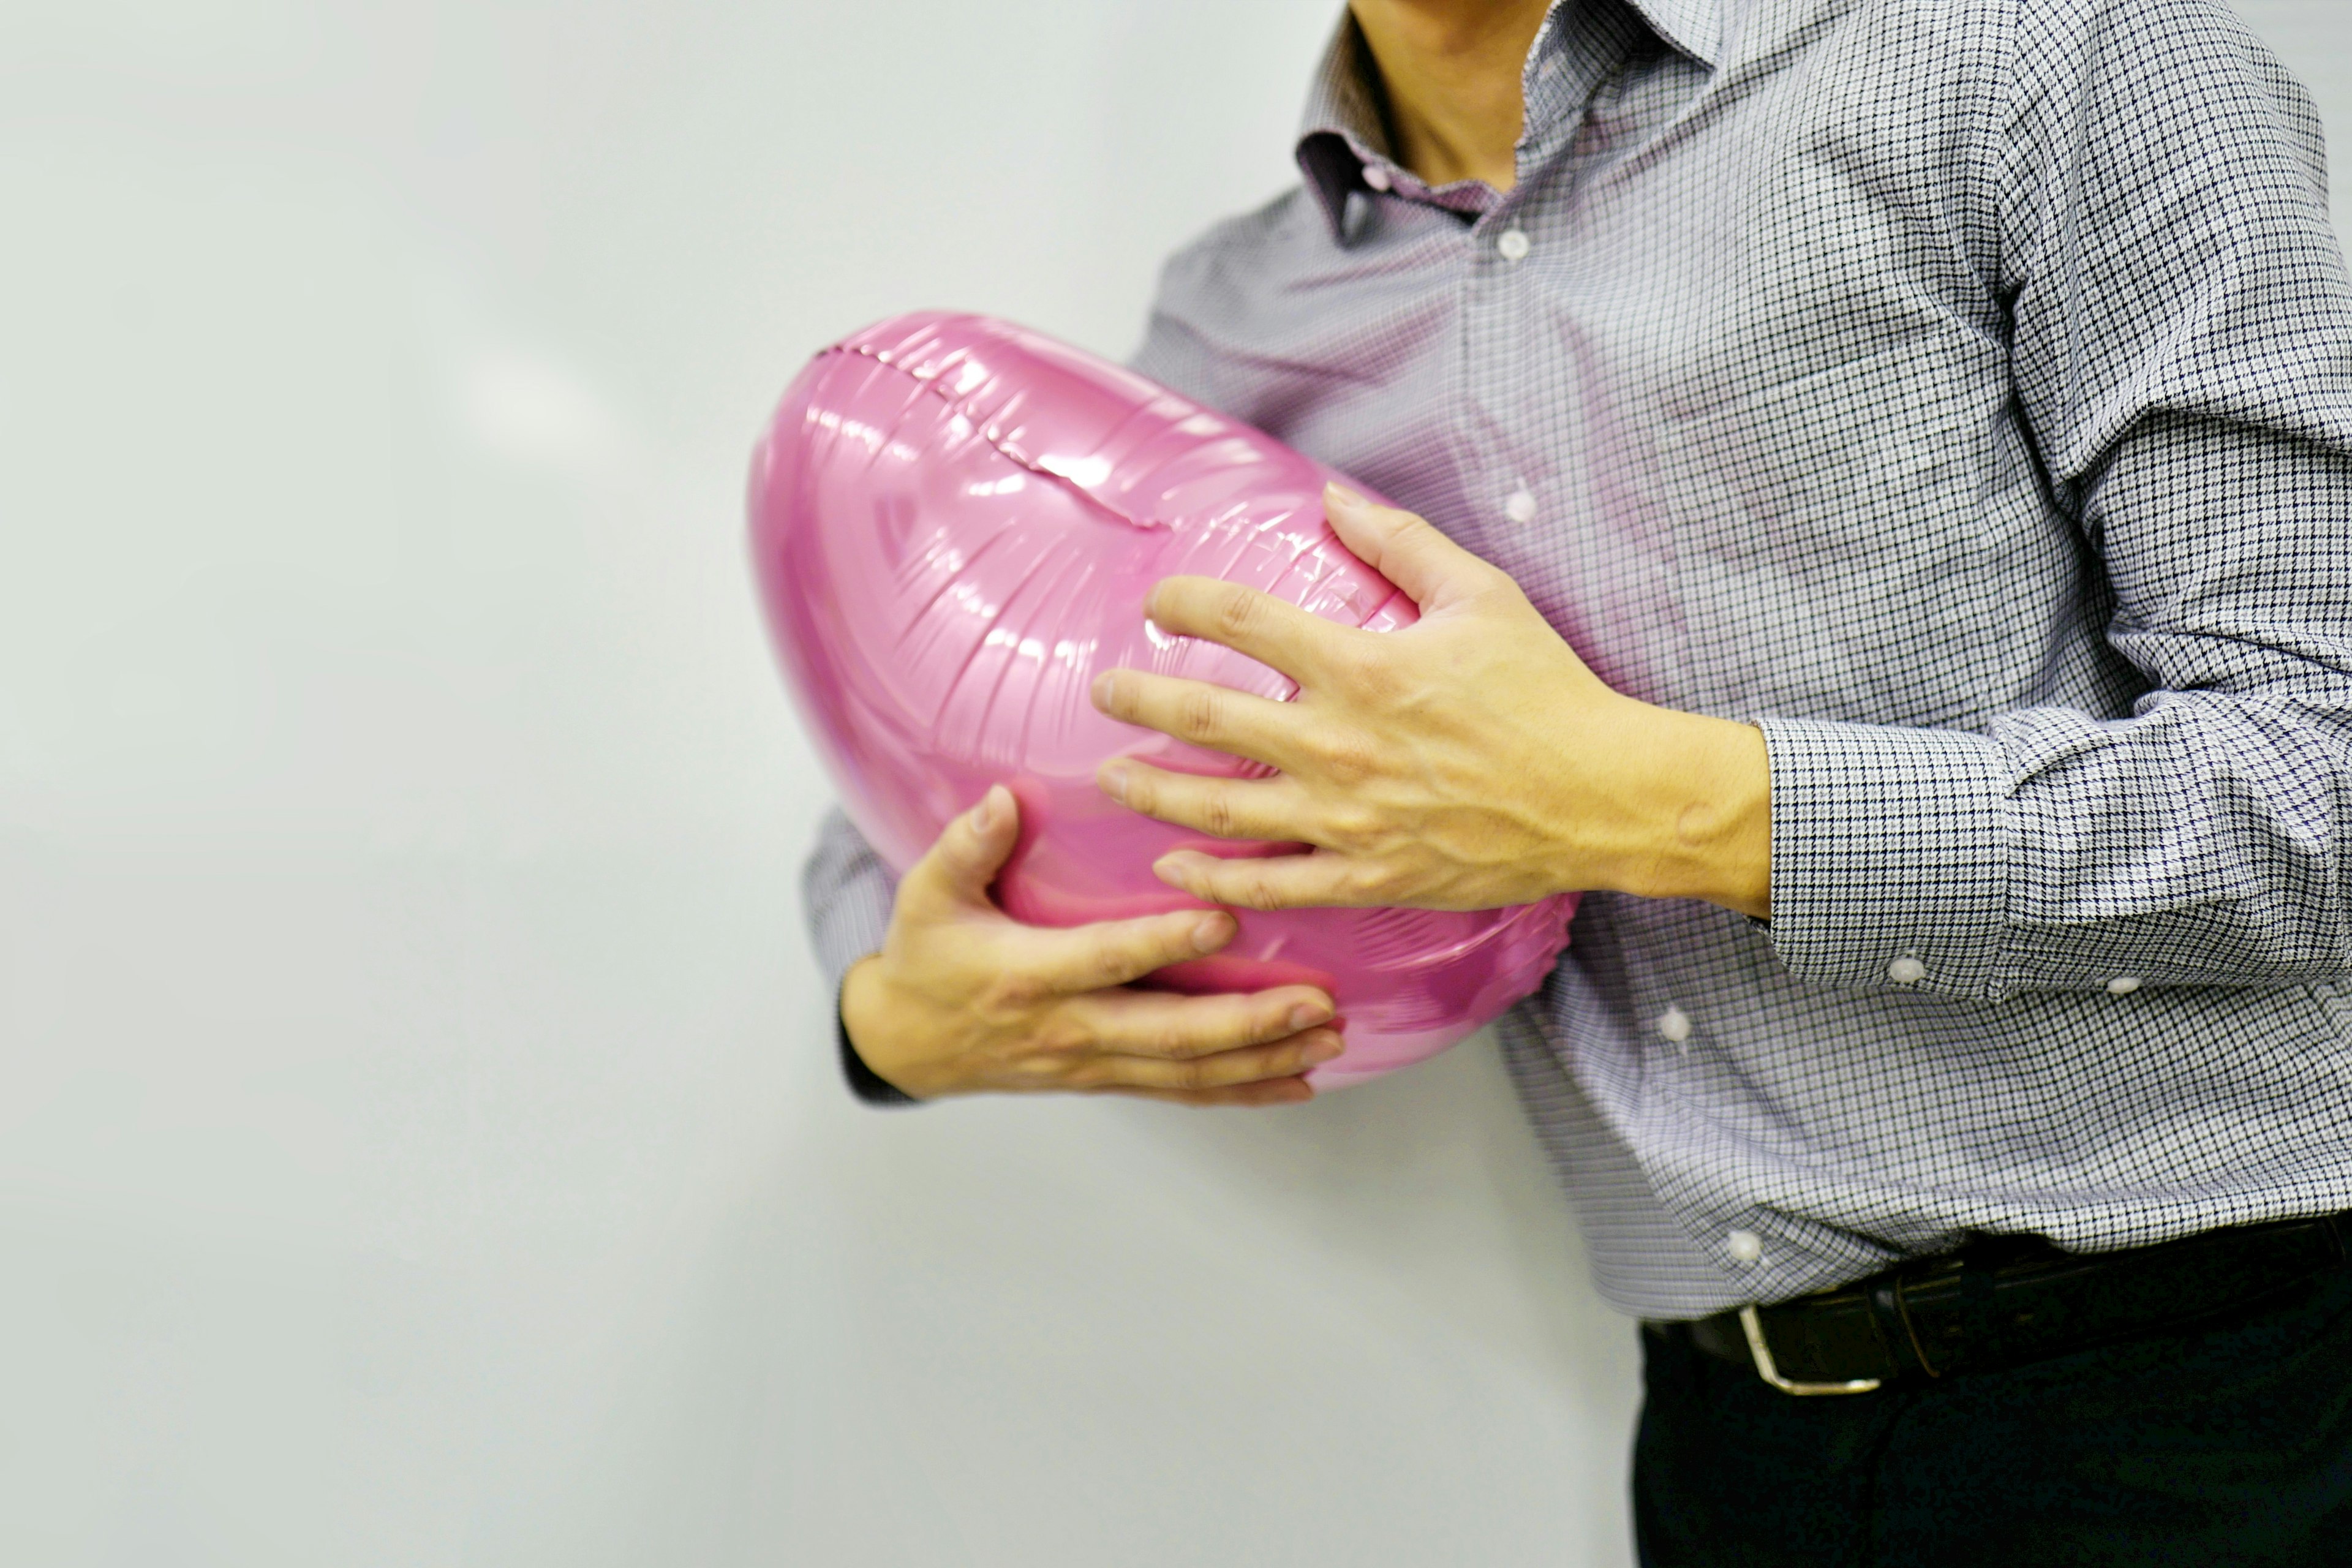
column 1962, row 390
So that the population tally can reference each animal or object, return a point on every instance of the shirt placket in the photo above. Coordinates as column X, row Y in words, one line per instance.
column 1514, row 472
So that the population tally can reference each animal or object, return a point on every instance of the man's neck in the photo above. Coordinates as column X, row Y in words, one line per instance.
column 1451, row 71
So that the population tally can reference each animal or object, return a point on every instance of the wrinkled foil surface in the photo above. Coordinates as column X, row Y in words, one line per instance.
column 954, row 522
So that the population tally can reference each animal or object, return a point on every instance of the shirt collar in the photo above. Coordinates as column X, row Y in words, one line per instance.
column 1694, row 26
column 1344, row 127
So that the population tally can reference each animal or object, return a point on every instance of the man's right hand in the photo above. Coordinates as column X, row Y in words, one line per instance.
column 963, row 999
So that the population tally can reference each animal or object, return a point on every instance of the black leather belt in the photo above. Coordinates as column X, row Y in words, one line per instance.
column 2002, row 1301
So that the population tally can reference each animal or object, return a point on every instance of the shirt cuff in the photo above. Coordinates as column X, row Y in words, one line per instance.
column 1889, row 868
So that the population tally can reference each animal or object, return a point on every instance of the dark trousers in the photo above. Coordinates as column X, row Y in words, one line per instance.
column 2226, row 1447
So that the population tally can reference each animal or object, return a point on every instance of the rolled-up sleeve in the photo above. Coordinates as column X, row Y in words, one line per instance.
column 2182, row 353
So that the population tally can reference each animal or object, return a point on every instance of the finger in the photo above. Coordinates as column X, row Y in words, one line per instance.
column 1226, row 808
column 1318, row 880
column 1244, row 619
column 956, row 871
column 1271, row 1091
column 1079, row 959
column 1403, row 548
column 1179, row 1029
column 1204, row 713
column 1225, row 1070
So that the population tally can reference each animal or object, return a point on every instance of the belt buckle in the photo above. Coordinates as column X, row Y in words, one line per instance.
column 1765, row 1369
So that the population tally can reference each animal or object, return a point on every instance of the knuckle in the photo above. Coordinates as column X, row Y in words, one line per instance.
column 1063, row 1036
column 921, row 897
column 1198, row 713
column 1235, row 611
column 1500, row 583
column 1111, row 964
column 1350, row 823
column 1048, row 1073
column 1259, row 893
column 1005, row 994
column 1217, row 812
column 1347, row 757
column 1035, row 1072
column 1367, row 669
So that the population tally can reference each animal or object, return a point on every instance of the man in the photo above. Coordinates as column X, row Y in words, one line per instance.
column 1888, row 472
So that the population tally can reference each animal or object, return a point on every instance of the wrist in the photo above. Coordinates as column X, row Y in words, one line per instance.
column 864, row 1021
column 1710, row 835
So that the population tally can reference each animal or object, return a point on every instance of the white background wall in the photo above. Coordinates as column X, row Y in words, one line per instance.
column 419, row 1141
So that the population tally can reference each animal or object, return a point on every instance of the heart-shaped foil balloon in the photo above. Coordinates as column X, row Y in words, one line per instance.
column 954, row 522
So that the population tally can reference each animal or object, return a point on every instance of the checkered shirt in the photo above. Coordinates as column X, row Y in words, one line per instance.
column 1962, row 390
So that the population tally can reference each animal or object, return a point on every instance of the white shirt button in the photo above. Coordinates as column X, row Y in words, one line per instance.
column 1675, row 1025
column 2123, row 985
column 1907, row 971
column 1744, row 1246
column 1513, row 245
column 1376, row 176
column 1520, row 507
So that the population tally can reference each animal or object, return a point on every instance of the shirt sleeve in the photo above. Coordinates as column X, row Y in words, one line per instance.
column 848, row 892
column 2181, row 338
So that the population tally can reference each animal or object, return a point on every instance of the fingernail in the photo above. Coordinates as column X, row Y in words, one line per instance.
column 1114, row 784
column 1100, row 692
column 1212, row 933
column 1343, row 495
column 1307, row 1015
column 1323, row 1051
column 984, row 814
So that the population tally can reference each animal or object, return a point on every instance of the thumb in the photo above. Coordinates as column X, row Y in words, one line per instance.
column 955, row 872
column 1403, row 548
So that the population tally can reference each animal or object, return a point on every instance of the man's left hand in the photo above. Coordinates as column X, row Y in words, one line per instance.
column 1470, row 760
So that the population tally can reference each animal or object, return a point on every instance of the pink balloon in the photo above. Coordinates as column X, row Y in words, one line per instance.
column 954, row 522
